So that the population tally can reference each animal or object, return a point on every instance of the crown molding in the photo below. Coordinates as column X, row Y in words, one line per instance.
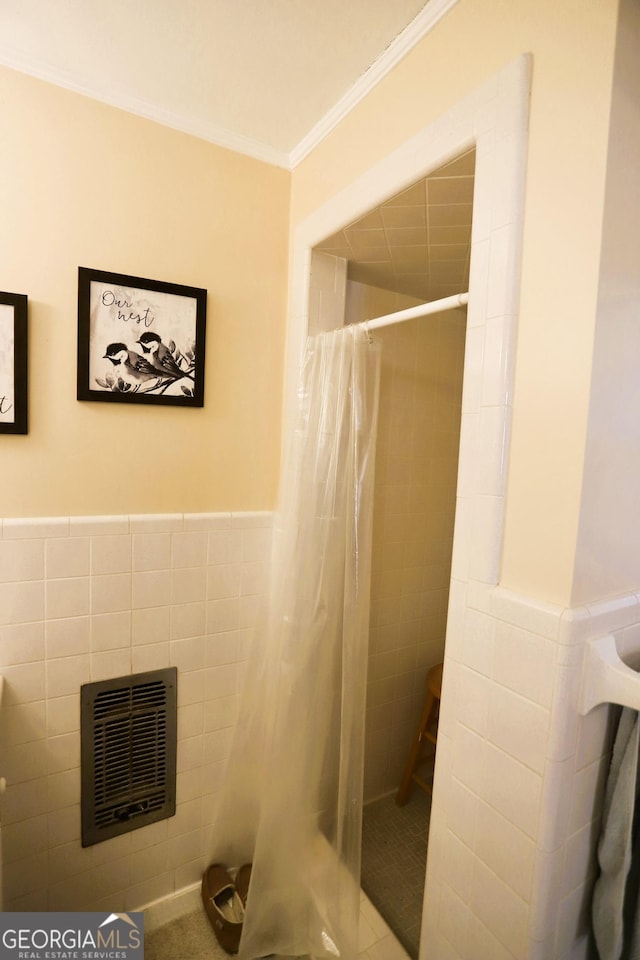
column 425, row 21
column 211, row 132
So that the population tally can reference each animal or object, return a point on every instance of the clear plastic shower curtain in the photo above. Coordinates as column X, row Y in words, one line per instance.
column 291, row 800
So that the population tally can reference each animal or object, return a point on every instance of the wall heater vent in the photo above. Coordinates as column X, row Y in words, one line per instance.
column 128, row 753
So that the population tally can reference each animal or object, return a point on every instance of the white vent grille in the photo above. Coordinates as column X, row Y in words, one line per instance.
column 128, row 742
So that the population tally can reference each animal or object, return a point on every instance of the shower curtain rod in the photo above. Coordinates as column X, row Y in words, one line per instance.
column 435, row 306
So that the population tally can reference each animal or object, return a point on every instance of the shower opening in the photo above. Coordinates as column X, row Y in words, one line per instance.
column 413, row 248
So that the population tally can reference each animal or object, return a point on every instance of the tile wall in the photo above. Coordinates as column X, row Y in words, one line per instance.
column 414, row 509
column 519, row 786
column 327, row 292
column 517, row 825
column 83, row 599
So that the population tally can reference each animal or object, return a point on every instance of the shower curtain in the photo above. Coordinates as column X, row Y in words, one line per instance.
column 291, row 800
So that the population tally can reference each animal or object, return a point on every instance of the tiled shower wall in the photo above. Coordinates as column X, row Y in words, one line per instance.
column 414, row 509
column 327, row 291
column 83, row 599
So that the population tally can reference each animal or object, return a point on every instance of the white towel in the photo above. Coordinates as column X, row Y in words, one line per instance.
column 615, row 847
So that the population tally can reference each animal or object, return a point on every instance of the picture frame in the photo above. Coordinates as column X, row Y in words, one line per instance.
column 13, row 363
column 140, row 341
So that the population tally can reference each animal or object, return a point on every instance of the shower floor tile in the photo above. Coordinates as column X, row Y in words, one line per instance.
column 394, row 856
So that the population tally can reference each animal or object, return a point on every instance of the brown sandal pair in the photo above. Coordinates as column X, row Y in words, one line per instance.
column 225, row 900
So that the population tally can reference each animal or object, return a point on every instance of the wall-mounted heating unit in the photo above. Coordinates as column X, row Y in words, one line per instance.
column 128, row 753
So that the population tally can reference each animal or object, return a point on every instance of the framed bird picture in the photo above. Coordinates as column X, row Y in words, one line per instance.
column 140, row 341
column 13, row 363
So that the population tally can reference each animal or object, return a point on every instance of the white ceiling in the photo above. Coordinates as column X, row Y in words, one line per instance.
column 260, row 76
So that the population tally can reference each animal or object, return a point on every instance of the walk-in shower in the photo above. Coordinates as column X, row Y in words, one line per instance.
column 402, row 271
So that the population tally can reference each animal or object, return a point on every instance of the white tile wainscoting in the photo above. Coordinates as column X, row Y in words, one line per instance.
column 83, row 599
column 517, row 791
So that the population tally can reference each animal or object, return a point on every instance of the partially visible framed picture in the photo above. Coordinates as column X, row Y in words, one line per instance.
column 140, row 341
column 13, row 363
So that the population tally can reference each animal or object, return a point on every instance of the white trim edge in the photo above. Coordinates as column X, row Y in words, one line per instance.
column 170, row 907
column 425, row 21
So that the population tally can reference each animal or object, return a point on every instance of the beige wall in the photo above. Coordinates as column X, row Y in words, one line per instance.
column 83, row 184
column 572, row 46
column 608, row 560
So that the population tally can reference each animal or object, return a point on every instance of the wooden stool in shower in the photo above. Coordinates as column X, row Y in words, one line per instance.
column 427, row 730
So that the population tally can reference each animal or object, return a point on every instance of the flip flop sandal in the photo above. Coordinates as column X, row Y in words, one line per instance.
column 243, row 878
column 223, row 906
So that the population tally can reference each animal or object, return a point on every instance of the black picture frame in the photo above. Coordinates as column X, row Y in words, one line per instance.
column 13, row 363
column 140, row 341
